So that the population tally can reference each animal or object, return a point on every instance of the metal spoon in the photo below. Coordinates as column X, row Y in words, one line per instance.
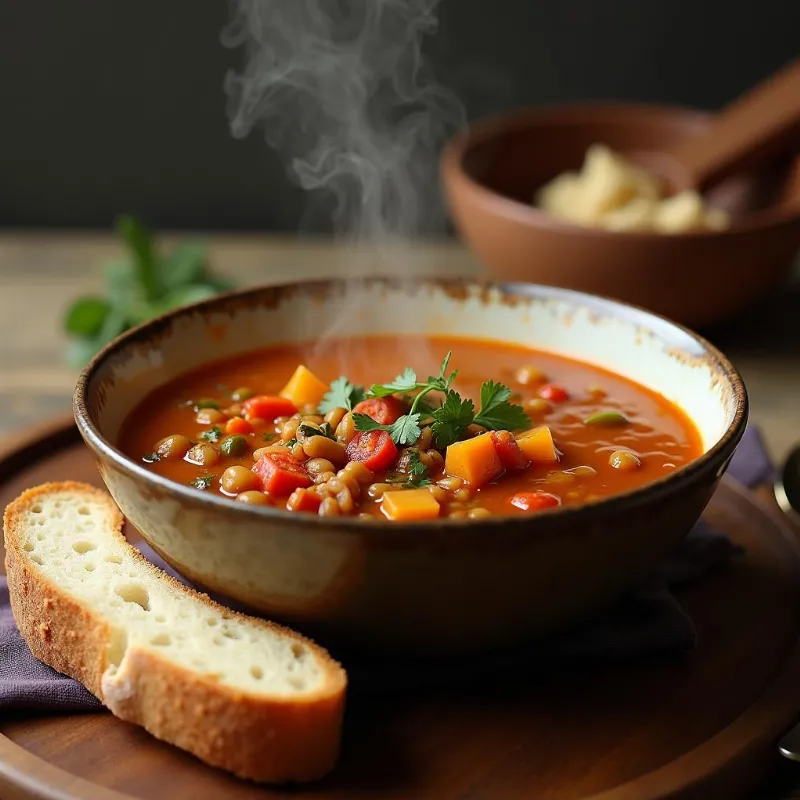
column 787, row 486
column 787, row 493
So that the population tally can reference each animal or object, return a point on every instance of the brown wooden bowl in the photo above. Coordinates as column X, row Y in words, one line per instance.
column 492, row 170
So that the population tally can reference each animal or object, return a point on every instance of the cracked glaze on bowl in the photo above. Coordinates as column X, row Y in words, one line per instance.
column 428, row 587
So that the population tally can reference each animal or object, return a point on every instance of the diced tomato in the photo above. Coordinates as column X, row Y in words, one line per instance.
column 238, row 425
column 553, row 393
column 304, row 500
column 264, row 406
column 281, row 473
column 384, row 410
column 534, row 501
column 374, row 449
column 511, row 457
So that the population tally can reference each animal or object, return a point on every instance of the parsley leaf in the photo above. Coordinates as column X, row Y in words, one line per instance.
column 151, row 458
column 417, row 471
column 268, row 437
column 444, row 381
column 416, row 474
column 365, row 423
column 202, row 481
column 496, row 413
column 451, row 420
column 405, row 431
column 406, row 382
column 342, row 394
column 205, row 402
column 323, row 430
column 415, row 465
column 327, row 431
column 212, row 435
column 143, row 284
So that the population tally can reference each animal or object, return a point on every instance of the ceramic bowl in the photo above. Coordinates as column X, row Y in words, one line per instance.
column 491, row 171
column 436, row 587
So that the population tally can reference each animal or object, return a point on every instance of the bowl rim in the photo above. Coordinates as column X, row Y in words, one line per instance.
column 668, row 484
column 497, row 125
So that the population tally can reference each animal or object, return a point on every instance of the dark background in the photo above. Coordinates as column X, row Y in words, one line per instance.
column 110, row 106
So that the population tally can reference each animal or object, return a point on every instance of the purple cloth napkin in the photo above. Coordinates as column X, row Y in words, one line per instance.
column 647, row 622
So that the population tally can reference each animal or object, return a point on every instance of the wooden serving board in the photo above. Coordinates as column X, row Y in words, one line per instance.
column 703, row 725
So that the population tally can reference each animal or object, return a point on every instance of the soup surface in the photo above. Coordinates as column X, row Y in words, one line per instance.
column 326, row 428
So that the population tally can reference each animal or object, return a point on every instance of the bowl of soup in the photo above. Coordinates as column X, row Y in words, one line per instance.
column 426, row 467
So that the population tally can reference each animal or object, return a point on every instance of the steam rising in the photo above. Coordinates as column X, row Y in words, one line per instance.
column 340, row 89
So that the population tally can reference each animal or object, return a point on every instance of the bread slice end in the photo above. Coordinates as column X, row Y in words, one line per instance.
column 264, row 730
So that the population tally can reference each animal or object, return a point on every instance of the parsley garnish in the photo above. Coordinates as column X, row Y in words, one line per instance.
column 205, row 402
column 268, row 437
column 453, row 417
column 151, row 458
column 416, row 473
column 202, row 481
column 342, row 394
column 212, row 435
column 405, row 431
column 323, row 430
column 291, row 443
column 145, row 283
column 407, row 382
column 496, row 412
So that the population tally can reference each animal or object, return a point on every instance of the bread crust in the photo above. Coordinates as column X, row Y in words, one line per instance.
column 264, row 739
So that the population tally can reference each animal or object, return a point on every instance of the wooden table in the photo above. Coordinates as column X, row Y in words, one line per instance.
column 41, row 272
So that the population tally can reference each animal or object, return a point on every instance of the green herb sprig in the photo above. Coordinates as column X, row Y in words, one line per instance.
column 211, row 435
column 417, row 472
column 324, row 430
column 342, row 394
column 452, row 418
column 137, row 288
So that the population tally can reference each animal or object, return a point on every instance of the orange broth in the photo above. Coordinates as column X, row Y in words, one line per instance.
column 658, row 433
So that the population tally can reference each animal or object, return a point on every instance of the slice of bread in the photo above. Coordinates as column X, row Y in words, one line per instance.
column 239, row 693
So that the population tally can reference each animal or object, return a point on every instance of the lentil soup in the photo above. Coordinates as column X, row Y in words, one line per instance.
column 327, row 429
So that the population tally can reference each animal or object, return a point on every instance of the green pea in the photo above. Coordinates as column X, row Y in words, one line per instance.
column 241, row 394
column 235, row 445
column 205, row 402
column 607, row 418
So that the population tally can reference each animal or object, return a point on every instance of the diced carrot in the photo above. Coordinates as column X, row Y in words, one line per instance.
column 304, row 500
column 537, row 445
column 534, row 501
column 384, row 410
column 238, row 425
column 409, row 504
column 511, row 457
column 475, row 460
column 265, row 406
column 281, row 473
column 304, row 388
column 553, row 393
column 374, row 449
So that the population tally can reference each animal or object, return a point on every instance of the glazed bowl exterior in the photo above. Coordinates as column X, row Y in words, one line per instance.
column 436, row 587
column 491, row 171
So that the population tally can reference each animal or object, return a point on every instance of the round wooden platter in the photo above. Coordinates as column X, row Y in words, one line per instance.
column 703, row 725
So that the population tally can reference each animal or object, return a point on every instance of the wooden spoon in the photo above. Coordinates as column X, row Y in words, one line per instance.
column 758, row 126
